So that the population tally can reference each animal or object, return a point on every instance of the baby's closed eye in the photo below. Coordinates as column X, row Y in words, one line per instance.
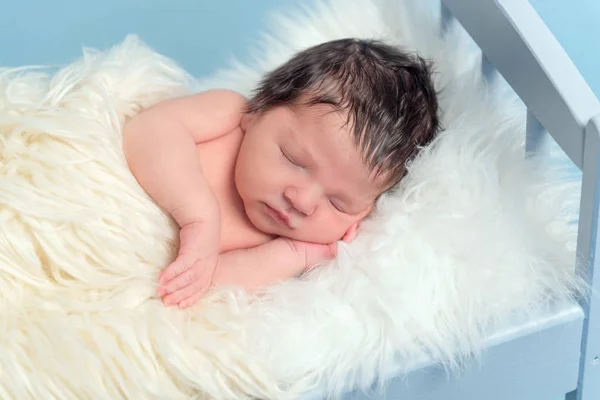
column 337, row 204
column 290, row 158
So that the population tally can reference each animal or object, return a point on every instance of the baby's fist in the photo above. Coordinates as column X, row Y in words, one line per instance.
column 310, row 254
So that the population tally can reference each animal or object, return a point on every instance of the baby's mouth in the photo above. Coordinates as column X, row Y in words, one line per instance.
column 279, row 216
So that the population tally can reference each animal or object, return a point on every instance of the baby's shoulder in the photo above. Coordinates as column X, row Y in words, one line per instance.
column 223, row 97
column 206, row 115
column 220, row 100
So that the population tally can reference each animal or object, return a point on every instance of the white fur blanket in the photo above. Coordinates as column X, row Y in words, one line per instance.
column 477, row 233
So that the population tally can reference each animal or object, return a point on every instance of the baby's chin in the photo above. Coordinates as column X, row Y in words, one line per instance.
column 307, row 236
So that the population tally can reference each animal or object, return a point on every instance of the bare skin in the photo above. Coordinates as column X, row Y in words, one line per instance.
column 259, row 199
column 218, row 159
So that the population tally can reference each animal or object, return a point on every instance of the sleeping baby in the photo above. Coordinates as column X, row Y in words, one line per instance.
column 262, row 189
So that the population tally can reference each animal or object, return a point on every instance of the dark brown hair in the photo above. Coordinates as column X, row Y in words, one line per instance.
column 388, row 94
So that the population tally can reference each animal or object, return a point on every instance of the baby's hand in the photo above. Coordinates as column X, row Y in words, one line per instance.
column 278, row 260
column 311, row 254
column 189, row 276
column 308, row 255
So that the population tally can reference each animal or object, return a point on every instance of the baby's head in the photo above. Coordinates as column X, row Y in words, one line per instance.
column 328, row 132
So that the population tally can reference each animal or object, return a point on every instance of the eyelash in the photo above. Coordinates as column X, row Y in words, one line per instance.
column 298, row 165
column 335, row 206
column 289, row 158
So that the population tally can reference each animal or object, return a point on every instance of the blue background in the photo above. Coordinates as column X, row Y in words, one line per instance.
column 202, row 35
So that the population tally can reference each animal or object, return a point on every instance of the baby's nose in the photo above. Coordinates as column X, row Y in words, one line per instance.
column 304, row 200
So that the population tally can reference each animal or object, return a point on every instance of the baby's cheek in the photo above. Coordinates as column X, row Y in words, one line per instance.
column 333, row 229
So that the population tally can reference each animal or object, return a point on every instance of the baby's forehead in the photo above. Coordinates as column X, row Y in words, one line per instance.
column 326, row 116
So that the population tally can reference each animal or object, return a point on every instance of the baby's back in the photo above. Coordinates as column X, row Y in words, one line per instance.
column 218, row 158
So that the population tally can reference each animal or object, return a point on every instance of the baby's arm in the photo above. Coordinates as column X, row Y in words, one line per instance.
column 160, row 147
column 278, row 260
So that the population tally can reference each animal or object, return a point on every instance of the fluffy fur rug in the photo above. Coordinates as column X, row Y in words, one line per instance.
column 477, row 233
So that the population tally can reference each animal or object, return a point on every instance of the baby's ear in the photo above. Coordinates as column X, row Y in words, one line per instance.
column 350, row 234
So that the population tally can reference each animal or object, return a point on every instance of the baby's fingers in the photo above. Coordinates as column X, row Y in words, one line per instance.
column 195, row 279
column 191, row 300
column 182, row 280
column 194, row 290
column 317, row 254
column 177, row 267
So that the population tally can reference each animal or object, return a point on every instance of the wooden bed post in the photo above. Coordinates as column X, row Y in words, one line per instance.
column 446, row 17
column 536, row 136
column 514, row 38
column 588, row 386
